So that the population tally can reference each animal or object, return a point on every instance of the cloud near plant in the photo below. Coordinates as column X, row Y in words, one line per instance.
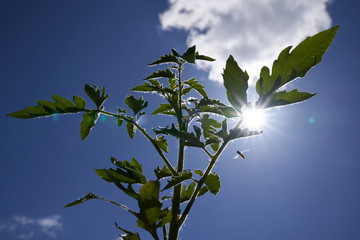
column 254, row 32
column 23, row 227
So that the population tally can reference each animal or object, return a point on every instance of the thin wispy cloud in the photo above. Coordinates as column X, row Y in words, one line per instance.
column 23, row 227
column 253, row 31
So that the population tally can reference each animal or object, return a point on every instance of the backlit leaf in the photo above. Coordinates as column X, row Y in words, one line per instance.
column 96, row 95
column 208, row 125
column 88, row 122
column 165, row 109
column 162, row 173
column 203, row 57
column 161, row 142
column 236, row 84
column 186, row 192
column 190, row 54
column 197, row 86
column 131, row 129
column 87, row 197
column 290, row 66
column 285, row 98
column 212, row 182
column 129, row 235
column 241, row 133
column 150, row 206
column 189, row 138
column 46, row 108
column 183, row 176
column 167, row 58
column 135, row 104
column 161, row 74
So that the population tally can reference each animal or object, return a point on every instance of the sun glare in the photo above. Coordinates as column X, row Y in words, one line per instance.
column 253, row 118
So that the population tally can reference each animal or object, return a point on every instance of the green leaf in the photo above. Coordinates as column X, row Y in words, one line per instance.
column 119, row 175
column 161, row 142
column 146, row 87
column 198, row 172
column 88, row 122
column 87, row 197
column 119, row 120
column 135, row 104
column 131, row 129
column 127, row 190
column 167, row 58
column 186, row 90
column 236, row 84
column 46, row 108
column 197, row 131
column 127, row 172
column 162, row 173
column 285, row 98
column 165, row 220
column 132, row 166
column 79, row 102
column 165, row 109
column 129, row 235
column 203, row 190
column 161, row 74
column 186, row 193
column 190, row 54
column 215, row 146
column 96, row 95
column 150, row 206
column 290, row 66
column 203, row 57
column 223, row 132
column 215, row 106
column 241, row 133
column 172, row 83
column 176, row 54
column 208, row 125
column 197, row 86
column 189, row 138
column 183, row 176
column 212, row 182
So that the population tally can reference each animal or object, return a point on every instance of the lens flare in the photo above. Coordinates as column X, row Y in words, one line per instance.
column 253, row 118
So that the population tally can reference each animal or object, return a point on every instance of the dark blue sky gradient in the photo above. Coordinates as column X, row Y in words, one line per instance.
column 300, row 179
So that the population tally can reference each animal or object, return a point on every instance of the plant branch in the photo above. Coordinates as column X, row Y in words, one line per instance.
column 164, row 232
column 207, row 152
column 142, row 130
column 200, row 184
column 203, row 178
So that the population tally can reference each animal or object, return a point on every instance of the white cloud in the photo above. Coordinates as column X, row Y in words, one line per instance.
column 23, row 227
column 253, row 31
column 23, row 220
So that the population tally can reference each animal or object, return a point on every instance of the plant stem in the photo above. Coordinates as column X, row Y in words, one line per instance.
column 207, row 152
column 200, row 184
column 175, row 210
column 174, row 229
column 206, row 174
column 164, row 232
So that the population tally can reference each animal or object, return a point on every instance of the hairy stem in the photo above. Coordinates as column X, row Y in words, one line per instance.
column 174, row 229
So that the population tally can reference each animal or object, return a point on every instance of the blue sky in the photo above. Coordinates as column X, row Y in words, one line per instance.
column 301, row 176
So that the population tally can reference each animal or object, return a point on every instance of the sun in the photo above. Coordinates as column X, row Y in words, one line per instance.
column 253, row 118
